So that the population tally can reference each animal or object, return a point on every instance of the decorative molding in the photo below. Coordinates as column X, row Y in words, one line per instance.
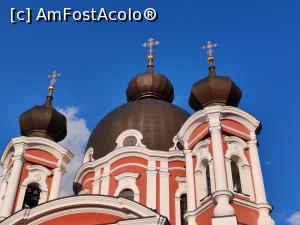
column 52, row 216
column 182, row 189
column 235, row 151
column 236, row 147
column 127, row 180
column 132, row 209
column 164, row 189
column 120, row 153
column 128, row 164
column 236, row 131
column 41, row 159
column 89, row 156
column 130, row 133
column 42, row 144
column 36, row 174
column 226, row 112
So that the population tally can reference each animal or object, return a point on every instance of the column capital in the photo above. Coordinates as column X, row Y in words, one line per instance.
column 187, row 152
column 215, row 129
column 252, row 142
column 214, row 119
column 151, row 172
column 18, row 157
column 164, row 174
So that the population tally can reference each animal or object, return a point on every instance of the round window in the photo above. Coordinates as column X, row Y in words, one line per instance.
column 130, row 141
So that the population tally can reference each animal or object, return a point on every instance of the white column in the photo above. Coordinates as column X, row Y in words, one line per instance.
column 212, row 176
column 96, row 182
column 199, row 187
column 190, row 180
column 164, row 191
column 229, row 174
column 151, row 184
column 190, row 183
column 56, row 181
column 222, row 196
column 259, row 187
column 105, row 180
column 258, row 181
column 14, row 179
column 3, row 186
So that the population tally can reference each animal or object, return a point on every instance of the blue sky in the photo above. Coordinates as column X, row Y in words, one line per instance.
column 258, row 47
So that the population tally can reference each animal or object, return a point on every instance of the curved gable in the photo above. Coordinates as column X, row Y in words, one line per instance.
column 87, row 209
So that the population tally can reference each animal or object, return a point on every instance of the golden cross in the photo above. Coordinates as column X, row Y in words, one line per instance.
column 52, row 78
column 209, row 46
column 151, row 42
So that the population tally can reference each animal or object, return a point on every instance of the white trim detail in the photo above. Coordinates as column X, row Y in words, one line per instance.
column 96, row 181
column 182, row 189
column 204, row 160
column 82, row 210
column 121, row 153
column 89, row 156
column 42, row 144
column 151, row 184
column 235, row 151
column 36, row 174
column 164, row 189
column 226, row 112
column 75, row 204
column 128, row 164
column 105, row 180
column 128, row 181
column 135, row 133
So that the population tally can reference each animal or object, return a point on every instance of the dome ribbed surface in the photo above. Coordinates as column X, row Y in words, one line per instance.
column 214, row 90
column 150, row 84
column 158, row 121
column 44, row 121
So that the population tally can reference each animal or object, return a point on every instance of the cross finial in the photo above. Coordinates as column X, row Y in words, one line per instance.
column 209, row 47
column 150, row 44
column 52, row 78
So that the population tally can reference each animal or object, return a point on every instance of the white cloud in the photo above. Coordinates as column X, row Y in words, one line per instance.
column 76, row 140
column 294, row 219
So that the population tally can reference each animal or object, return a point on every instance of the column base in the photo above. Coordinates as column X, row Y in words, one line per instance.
column 264, row 215
column 228, row 220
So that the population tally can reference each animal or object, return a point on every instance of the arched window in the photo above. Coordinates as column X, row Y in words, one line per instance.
column 183, row 208
column 208, row 185
column 236, row 179
column 127, row 193
column 32, row 196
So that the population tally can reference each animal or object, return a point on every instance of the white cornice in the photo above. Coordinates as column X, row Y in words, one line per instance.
column 40, row 143
column 226, row 112
column 144, row 153
column 77, row 203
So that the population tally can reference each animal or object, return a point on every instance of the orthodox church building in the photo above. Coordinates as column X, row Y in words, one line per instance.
column 147, row 162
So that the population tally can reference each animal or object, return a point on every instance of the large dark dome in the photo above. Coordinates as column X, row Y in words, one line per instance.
column 158, row 121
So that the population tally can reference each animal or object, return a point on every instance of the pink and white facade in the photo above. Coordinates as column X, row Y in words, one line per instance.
column 212, row 172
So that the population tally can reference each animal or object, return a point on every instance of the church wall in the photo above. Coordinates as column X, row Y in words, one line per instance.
column 245, row 215
column 204, row 218
column 42, row 154
column 87, row 181
column 175, row 171
column 83, row 219
column 141, row 181
column 235, row 129
column 24, row 174
column 198, row 134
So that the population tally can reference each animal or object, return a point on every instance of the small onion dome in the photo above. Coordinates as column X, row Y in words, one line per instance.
column 44, row 121
column 150, row 85
column 214, row 90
